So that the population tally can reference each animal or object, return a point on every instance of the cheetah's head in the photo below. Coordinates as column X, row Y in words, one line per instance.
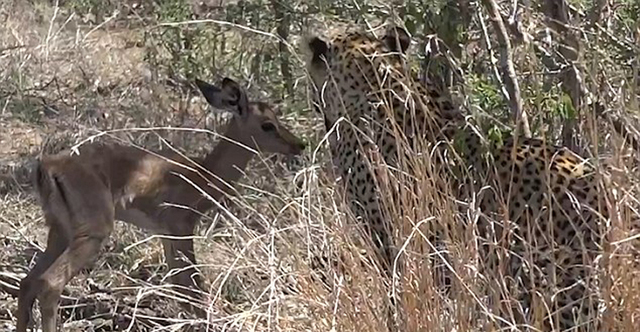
column 346, row 66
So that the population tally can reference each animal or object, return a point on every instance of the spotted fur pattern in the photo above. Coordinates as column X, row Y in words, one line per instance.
column 542, row 205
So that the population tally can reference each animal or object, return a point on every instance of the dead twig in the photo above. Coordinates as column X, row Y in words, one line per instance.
column 11, row 48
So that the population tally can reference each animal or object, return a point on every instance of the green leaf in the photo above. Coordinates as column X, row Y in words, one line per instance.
column 567, row 111
column 495, row 136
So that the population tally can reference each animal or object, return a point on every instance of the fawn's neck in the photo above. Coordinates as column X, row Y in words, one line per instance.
column 228, row 159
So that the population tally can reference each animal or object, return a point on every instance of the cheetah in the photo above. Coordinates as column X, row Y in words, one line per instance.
column 542, row 204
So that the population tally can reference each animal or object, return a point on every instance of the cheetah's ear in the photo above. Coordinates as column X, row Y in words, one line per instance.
column 397, row 39
column 230, row 97
column 319, row 48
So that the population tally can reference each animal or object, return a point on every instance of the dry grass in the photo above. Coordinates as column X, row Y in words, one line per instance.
column 61, row 81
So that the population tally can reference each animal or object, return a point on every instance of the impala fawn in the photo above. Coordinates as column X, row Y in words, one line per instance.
column 81, row 195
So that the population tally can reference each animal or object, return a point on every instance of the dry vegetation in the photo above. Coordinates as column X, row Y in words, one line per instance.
column 108, row 68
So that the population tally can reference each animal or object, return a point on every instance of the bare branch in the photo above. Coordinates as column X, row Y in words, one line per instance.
column 507, row 69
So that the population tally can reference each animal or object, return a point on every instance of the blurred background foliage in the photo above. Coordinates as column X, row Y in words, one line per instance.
column 454, row 46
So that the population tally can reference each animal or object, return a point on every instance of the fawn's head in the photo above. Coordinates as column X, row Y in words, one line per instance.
column 256, row 122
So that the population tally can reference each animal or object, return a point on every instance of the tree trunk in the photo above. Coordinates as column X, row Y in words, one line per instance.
column 283, row 18
column 557, row 13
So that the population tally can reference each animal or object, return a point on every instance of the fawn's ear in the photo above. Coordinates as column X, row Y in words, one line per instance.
column 397, row 39
column 230, row 96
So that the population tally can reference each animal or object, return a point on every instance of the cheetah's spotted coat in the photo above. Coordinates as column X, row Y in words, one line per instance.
column 554, row 210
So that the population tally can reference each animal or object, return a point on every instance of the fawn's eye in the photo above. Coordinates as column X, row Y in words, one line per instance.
column 268, row 127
